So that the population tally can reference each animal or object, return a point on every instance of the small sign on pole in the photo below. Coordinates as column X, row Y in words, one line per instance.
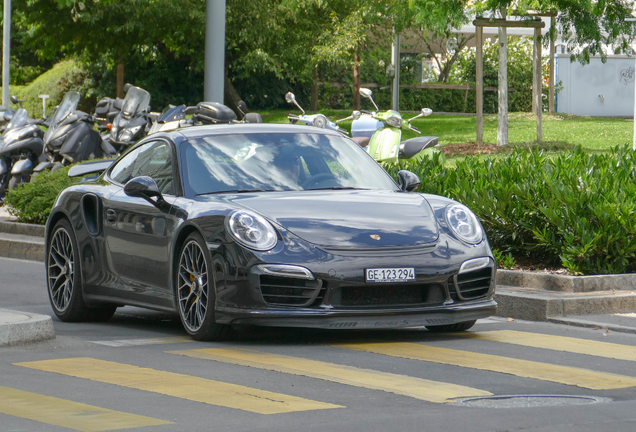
column 44, row 97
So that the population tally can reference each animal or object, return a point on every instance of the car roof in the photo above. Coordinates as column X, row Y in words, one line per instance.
column 245, row 128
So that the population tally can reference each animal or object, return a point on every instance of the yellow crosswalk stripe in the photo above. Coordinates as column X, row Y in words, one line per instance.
column 557, row 343
column 418, row 388
column 523, row 368
column 179, row 385
column 69, row 414
column 145, row 341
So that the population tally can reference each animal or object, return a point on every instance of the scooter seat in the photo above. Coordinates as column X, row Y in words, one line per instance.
column 413, row 146
column 362, row 141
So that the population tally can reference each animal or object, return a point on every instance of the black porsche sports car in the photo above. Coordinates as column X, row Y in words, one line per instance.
column 275, row 225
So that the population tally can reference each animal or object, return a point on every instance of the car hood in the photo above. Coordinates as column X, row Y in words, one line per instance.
column 348, row 219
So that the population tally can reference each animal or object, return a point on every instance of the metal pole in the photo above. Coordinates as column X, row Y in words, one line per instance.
column 502, row 125
column 552, row 71
column 214, row 71
column 6, row 52
column 479, row 85
column 538, row 83
column 395, row 61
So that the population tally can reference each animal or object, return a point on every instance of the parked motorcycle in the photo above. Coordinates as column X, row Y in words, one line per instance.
column 20, row 147
column 380, row 133
column 107, row 109
column 133, row 121
column 70, row 137
column 318, row 120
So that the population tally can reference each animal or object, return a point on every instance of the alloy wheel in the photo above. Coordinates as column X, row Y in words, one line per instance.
column 61, row 266
column 193, row 286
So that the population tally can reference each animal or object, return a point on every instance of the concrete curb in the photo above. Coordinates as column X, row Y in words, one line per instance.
column 541, row 305
column 578, row 322
column 573, row 284
column 21, row 247
column 22, row 229
column 18, row 328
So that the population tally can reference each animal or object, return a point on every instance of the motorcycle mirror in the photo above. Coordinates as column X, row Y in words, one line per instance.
column 290, row 98
column 365, row 93
column 14, row 100
column 356, row 115
column 427, row 112
column 242, row 107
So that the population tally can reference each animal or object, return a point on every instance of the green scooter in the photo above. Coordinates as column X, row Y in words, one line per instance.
column 380, row 133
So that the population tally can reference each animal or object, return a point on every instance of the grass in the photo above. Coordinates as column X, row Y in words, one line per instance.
column 560, row 131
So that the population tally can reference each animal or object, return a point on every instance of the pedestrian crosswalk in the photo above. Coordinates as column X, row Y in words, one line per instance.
column 343, row 367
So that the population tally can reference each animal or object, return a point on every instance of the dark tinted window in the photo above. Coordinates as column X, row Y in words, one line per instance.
column 153, row 160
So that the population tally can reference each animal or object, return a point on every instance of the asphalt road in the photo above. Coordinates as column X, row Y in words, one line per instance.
column 139, row 371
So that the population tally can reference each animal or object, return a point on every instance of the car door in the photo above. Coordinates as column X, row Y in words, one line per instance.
column 138, row 231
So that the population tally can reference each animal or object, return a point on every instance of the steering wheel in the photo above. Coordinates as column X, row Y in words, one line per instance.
column 316, row 179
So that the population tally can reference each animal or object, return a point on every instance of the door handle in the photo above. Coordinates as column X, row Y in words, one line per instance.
column 111, row 215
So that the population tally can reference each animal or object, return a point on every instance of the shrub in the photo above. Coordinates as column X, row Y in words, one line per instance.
column 575, row 209
column 32, row 202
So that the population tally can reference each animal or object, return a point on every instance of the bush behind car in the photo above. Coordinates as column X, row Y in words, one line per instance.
column 573, row 209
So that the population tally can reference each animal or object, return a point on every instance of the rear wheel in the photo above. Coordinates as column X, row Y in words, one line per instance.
column 462, row 326
column 64, row 279
column 195, row 292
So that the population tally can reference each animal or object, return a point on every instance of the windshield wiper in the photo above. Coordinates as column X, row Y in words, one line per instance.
column 233, row 191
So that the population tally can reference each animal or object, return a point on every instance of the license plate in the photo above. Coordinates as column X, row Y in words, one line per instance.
column 390, row 274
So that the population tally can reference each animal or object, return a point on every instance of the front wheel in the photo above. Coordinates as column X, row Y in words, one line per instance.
column 462, row 326
column 195, row 292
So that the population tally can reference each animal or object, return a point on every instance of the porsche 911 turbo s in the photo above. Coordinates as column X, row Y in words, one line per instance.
column 263, row 224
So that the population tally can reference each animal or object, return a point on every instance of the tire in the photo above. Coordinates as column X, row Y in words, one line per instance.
column 16, row 180
column 459, row 327
column 66, row 296
column 195, row 291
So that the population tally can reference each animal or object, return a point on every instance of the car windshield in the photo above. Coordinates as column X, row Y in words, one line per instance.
column 277, row 162
column 136, row 101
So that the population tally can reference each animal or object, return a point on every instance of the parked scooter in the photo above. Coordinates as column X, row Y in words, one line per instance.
column 70, row 137
column 20, row 147
column 134, row 120
column 318, row 120
column 380, row 133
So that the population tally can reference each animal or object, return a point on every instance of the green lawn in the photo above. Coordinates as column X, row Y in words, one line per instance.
column 590, row 132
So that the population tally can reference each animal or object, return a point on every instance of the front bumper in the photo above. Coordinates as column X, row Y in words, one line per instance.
column 359, row 319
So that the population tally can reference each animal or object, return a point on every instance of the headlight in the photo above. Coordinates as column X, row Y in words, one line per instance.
column 394, row 121
column 251, row 230
column 463, row 223
column 320, row 121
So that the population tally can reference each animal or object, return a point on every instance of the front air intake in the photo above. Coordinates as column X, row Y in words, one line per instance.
column 289, row 291
column 474, row 284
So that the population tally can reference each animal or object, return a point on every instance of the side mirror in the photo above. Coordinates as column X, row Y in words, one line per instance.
column 365, row 93
column 290, row 98
column 143, row 187
column 426, row 112
column 356, row 115
column 14, row 100
column 407, row 180
column 242, row 107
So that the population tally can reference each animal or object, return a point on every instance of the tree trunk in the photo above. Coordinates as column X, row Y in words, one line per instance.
column 120, row 80
column 356, row 81
column 314, row 90
column 231, row 97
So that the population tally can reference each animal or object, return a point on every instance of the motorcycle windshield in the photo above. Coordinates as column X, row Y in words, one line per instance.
column 19, row 119
column 135, row 102
column 64, row 109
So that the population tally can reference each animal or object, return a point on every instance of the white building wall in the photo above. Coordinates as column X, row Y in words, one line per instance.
column 596, row 89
